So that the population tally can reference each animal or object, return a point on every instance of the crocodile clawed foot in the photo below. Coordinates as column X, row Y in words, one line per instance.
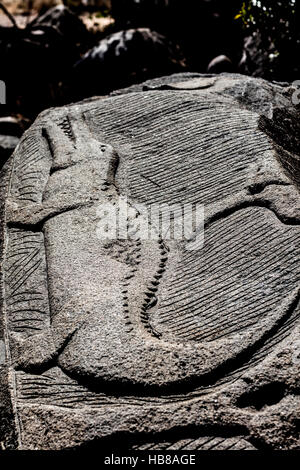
column 40, row 351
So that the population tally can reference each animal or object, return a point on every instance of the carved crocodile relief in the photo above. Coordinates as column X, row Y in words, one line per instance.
column 125, row 325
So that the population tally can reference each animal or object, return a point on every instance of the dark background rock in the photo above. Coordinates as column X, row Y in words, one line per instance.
column 39, row 59
column 223, row 371
column 10, row 133
column 10, row 126
column 274, row 26
column 124, row 58
column 204, row 28
column 8, row 144
column 68, row 25
column 255, row 60
column 36, row 59
column 220, row 64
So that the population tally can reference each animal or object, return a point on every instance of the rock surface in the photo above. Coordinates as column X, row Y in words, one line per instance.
column 165, row 341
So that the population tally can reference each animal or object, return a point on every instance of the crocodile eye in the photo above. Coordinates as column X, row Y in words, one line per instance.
column 103, row 148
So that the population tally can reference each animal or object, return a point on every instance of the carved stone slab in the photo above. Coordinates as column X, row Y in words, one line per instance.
column 155, row 342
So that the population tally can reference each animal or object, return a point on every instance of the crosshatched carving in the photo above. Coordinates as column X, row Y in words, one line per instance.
column 110, row 330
